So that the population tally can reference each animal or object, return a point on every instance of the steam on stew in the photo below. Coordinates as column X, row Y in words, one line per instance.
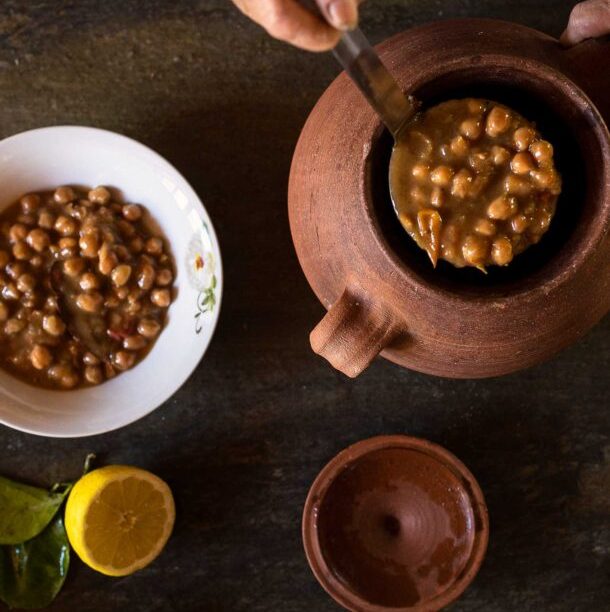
column 85, row 285
column 473, row 183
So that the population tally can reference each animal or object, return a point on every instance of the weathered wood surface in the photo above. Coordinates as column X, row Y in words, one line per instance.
column 241, row 442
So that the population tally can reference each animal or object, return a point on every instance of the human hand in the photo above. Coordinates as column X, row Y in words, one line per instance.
column 588, row 19
column 289, row 21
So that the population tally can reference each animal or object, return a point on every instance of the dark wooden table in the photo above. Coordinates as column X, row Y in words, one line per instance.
column 242, row 441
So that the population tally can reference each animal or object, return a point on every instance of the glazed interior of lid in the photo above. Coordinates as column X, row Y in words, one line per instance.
column 397, row 527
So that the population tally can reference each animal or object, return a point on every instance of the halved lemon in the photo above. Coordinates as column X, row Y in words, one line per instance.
column 119, row 518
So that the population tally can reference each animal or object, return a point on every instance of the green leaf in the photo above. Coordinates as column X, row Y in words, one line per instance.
column 25, row 511
column 32, row 573
column 213, row 283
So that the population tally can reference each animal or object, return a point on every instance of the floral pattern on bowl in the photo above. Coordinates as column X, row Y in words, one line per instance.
column 201, row 268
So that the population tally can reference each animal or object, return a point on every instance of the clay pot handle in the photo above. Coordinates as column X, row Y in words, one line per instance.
column 589, row 60
column 354, row 331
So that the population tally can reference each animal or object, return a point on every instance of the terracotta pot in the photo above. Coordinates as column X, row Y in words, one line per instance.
column 395, row 523
column 381, row 293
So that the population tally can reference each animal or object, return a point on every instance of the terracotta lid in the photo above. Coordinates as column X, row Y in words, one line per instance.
column 395, row 523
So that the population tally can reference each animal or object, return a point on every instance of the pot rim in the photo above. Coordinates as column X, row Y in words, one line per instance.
column 336, row 588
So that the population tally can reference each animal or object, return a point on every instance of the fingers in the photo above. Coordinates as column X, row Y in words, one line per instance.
column 587, row 20
column 287, row 20
column 341, row 14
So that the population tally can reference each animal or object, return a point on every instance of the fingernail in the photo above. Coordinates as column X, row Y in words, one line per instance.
column 343, row 14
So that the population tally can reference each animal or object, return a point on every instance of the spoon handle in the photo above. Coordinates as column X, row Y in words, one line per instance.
column 362, row 64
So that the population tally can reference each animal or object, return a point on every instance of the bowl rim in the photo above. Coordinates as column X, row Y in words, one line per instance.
column 150, row 156
column 336, row 588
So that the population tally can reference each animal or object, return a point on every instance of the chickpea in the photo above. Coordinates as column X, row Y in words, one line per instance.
column 90, row 359
column 418, row 195
column 126, row 228
column 94, row 375
column 18, row 232
column 64, row 195
column 15, row 269
column 74, row 266
column 26, row 283
column 120, row 275
column 50, row 304
column 46, row 219
column 30, row 203
column 26, row 219
column 89, row 245
column 161, row 297
column 67, row 247
column 4, row 312
column 546, row 179
column 523, row 137
column 542, row 152
column 540, row 222
column 132, row 212
column 108, row 259
column 517, row 186
column 437, row 199
column 146, row 277
column 122, row 252
column 502, row 208
column 38, row 239
column 485, row 227
column 123, row 360
column 522, row 163
column 421, row 172
column 154, row 246
column 53, row 325
column 459, row 146
column 64, row 375
column 65, row 226
column 99, row 195
column 4, row 258
column 500, row 155
column 14, row 326
column 441, row 176
column 479, row 183
column 36, row 261
column 474, row 249
column 136, row 245
column 461, row 183
column 41, row 357
column 519, row 223
column 89, row 281
column 21, row 251
column 149, row 328
column 85, row 203
column 89, row 302
column 122, row 293
column 480, row 161
column 498, row 121
column 471, row 128
column 109, row 371
column 502, row 251
column 134, row 343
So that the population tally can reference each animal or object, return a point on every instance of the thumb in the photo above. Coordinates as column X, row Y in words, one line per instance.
column 588, row 19
column 341, row 14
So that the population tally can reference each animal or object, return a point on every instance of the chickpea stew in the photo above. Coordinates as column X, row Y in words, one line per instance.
column 473, row 183
column 85, row 285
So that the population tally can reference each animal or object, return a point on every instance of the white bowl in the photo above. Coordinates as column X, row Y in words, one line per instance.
column 48, row 157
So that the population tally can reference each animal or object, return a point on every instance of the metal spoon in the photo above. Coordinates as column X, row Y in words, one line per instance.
column 363, row 65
